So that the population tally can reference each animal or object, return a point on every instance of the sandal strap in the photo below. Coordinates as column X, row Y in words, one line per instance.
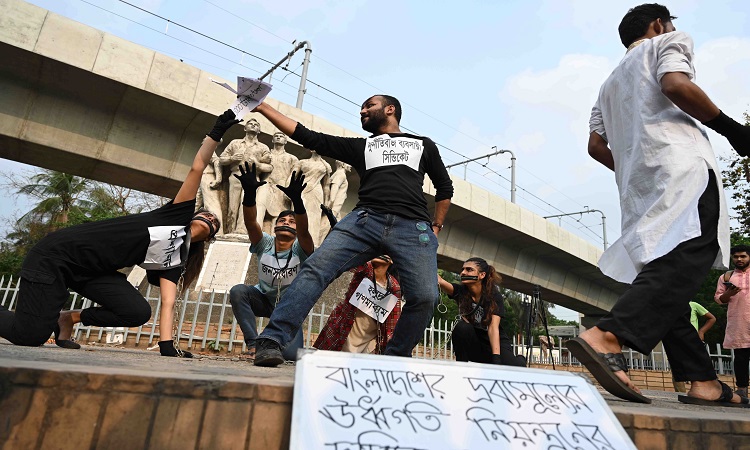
column 726, row 393
column 616, row 361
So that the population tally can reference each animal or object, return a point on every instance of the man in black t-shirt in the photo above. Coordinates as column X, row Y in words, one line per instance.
column 391, row 217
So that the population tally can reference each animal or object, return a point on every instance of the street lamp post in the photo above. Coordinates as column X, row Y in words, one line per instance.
column 512, row 173
column 604, row 221
column 497, row 152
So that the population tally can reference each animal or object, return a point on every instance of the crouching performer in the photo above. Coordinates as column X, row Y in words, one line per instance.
column 168, row 242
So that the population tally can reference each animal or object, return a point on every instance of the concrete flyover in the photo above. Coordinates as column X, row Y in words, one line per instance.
column 76, row 99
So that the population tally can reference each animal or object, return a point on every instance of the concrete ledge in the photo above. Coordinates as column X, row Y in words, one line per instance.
column 111, row 398
column 64, row 406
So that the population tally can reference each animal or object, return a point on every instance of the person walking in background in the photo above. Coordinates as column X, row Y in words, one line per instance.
column 697, row 310
column 733, row 290
column 645, row 127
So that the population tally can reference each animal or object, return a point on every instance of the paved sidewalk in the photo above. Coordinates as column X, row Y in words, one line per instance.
column 109, row 359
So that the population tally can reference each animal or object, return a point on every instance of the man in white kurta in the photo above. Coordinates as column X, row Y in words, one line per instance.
column 674, row 217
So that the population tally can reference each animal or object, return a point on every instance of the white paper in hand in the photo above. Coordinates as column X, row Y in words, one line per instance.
column 250, row 93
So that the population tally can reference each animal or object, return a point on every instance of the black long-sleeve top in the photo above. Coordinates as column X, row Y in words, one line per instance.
column 391, row 168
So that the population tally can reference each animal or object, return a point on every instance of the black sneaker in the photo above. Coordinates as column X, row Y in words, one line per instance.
column 267, row 353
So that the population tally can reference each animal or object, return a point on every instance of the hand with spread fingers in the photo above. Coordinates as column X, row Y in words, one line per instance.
column 250, row 184
column 294, row 191
column 224, row 122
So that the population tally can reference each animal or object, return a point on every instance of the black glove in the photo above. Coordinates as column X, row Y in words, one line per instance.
column 737, row 134
column 329, row 215
column 294, row 191
column 249, row 183
column 223, row 123
column 496, row 359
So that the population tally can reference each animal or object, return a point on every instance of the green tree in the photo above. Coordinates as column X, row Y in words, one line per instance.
column 58, row 195
column 62, row 200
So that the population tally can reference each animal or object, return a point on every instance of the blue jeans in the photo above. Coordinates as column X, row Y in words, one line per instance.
column 356, row 239
column 247, row 304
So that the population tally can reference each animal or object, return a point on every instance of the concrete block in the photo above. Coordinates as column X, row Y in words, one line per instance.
column 173, row 79
column 68, row 41
column 527, row 222
column 497, row 209
column 280, row 392
column 176, row 420
column 649, row 422
column 20, row 23
column 570, row 285
column 525, row 266
column 300, row 116
column 124, row 61
column 270, row 426
column 127, row 419
column 215, row 99
column 650, row 440
column 16, row 409
column 480, row 201
column 461, row 193
column 325, row 126
column 540, row 228
column 513, row 215
column 58, row 426
column 225, row 425
column 553, row 233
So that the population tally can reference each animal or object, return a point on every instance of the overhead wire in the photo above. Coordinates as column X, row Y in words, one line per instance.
column 314, row 83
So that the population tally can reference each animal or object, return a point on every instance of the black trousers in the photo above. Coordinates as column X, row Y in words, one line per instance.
column 473, row 344
column 741, row 361
column 43, row 292
column 655, row 307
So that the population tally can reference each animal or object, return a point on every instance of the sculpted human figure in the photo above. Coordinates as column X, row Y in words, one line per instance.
column 339, row 185
column 209, row 190
column 317, row 173
column 269, row 199
column 239, row 151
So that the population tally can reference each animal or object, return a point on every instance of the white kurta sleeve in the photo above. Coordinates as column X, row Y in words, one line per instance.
column 675, row 54
column 596, row 123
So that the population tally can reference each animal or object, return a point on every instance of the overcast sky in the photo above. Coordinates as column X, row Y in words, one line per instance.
column 517, row 74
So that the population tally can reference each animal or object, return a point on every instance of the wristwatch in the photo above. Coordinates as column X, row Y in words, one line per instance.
column 438, row 225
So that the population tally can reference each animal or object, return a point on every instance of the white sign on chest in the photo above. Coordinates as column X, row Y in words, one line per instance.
column 164, row 247
column 278, row 272
column 384, row 150
column 374, row 301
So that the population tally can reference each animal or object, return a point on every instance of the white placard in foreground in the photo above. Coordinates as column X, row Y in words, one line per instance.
column 345, row 401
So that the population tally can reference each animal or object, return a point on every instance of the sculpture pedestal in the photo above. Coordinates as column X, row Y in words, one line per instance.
column 226, row 263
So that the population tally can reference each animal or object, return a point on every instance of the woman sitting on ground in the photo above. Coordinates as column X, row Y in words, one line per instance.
column 348, row 328
column 478, row 336
column 86, row 259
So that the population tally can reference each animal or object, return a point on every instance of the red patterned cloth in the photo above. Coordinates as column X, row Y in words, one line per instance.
column 336, row 330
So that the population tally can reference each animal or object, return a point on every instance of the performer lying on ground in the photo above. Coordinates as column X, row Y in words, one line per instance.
column 479, row 336
column 85, row 258
column 349, row 329
column 645, row 127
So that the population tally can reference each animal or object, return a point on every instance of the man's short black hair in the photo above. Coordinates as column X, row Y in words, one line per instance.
column 391, row 100
column 636, row 21
column 739, row 249
column 284, row 213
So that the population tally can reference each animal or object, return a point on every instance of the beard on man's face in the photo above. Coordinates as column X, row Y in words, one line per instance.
column 374, row 120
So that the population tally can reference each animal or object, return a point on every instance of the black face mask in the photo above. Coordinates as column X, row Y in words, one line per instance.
column 469, row 278
column 284, row 228
column 211, row 230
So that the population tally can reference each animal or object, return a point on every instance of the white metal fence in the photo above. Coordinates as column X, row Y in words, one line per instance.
column 206, row 322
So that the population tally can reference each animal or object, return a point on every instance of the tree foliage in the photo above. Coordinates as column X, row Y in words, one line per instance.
column 62, row 200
